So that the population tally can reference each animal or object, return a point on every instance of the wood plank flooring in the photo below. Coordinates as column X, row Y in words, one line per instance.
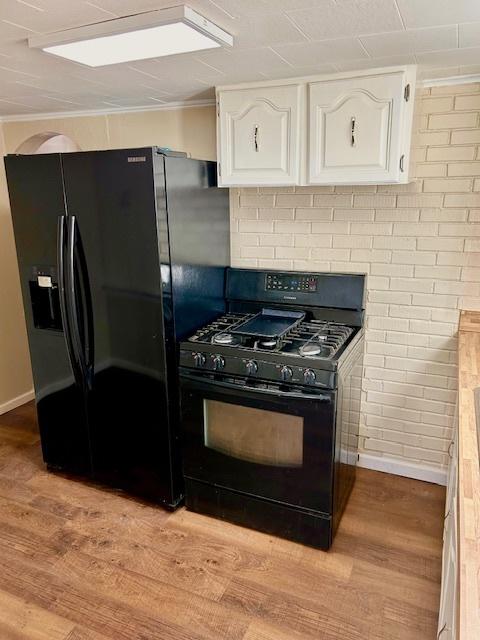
column 79, row 562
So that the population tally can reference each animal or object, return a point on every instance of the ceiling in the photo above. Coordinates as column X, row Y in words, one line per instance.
column 273, row 39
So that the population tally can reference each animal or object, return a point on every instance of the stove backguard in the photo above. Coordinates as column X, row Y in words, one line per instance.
column 325, row 290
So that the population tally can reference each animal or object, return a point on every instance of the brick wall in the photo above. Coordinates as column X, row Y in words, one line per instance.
column 420, row 246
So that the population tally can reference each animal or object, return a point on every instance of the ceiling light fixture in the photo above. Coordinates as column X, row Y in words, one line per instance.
column 165, row 32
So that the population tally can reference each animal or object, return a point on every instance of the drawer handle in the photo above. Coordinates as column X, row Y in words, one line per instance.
column 255, row 137
column 352, row 131
column 450, row 447
column 441, row 631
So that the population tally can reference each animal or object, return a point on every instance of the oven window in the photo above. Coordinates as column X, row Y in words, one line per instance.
column 254, row 435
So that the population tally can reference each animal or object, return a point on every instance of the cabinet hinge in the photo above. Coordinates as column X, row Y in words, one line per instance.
column 406, row 93
column 402, row 159
column 218, row 109
column 219, row 169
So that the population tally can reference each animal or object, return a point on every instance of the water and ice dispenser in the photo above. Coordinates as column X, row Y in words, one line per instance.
column 45, row 299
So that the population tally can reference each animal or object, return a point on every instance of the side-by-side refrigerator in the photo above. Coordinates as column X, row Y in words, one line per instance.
column 121, row 254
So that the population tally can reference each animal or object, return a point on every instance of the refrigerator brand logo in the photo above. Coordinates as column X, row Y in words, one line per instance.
column 137, row 158
column 290, row 297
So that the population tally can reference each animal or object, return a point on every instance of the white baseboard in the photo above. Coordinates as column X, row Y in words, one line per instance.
column 403, row 468
column 17, row 402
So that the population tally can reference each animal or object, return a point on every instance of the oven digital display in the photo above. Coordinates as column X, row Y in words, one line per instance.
column 303, row 282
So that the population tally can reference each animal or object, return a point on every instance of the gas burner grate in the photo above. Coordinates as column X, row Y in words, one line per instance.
column 220, row 326
column 308, row 339
column 317, row 339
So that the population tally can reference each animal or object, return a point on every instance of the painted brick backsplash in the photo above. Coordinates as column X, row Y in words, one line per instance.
column 418, row 243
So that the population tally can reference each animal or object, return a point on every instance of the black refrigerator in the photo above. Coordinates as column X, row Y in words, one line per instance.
column 121, row 254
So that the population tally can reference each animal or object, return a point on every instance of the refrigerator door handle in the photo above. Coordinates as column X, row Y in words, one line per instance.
column 81, row 270
column 72, row 300
column 62, row 233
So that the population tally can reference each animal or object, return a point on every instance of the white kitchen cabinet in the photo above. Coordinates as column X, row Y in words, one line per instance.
column 344, row 128
column 259, row 135
column 360, row 128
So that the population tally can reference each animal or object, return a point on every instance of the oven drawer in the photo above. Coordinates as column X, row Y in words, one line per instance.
column 301, row 525
column 271, row 442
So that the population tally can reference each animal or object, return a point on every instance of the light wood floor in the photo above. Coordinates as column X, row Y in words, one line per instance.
column 80, row 563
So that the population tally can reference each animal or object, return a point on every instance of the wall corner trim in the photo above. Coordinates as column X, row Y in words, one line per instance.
column 17, row 402
column 448, row 81
column 397, row 467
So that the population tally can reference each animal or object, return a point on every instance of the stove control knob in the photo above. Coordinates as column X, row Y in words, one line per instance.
column 251, row 367
column 199, row 359
column 286, row 373
column 309, row 376
column 218, row 362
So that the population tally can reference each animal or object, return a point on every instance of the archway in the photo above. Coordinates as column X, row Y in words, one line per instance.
column 47, row 142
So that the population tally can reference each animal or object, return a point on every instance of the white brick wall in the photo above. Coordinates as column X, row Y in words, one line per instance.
column 420, row 246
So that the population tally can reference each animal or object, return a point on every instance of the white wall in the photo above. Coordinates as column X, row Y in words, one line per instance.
column 15, row 373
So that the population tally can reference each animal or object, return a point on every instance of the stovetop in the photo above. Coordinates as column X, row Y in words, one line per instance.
column 315, row 339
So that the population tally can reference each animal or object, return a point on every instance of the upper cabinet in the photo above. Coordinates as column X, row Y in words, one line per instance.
column 258, row 135
column 337, row 129
column 359, row 129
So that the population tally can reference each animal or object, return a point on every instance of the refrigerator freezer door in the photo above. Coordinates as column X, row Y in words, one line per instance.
column 121, row 317
column 37, row 202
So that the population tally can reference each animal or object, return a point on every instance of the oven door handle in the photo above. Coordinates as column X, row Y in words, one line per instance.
column 322, row 397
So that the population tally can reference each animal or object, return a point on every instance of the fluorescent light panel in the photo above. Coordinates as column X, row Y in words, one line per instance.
column 148, row 35
column 165, row 40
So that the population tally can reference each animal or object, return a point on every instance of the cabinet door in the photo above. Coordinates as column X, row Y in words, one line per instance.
column 448, row 598
column 259, row 136
column 447, row 621
column 356, row 129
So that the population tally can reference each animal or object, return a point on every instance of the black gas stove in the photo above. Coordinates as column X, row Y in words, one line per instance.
column 301, row 354
column 270, row 394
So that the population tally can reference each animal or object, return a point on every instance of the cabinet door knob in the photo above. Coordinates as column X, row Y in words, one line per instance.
column 352, row 131
column 255, row 137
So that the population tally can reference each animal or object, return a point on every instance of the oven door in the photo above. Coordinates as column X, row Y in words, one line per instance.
column 269, row 441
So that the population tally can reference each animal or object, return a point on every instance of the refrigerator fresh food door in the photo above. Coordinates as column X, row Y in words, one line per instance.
column 118, row 316
column 37, row 201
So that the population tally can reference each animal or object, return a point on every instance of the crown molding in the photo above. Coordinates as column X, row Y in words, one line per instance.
column 55, row 115
column 449, row 80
